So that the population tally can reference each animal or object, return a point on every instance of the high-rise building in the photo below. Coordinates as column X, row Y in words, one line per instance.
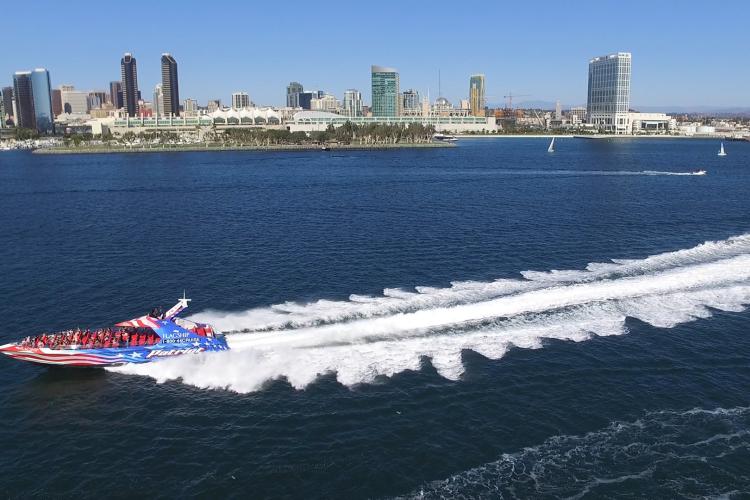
column 24, row 100
column 57, row 108
column 609, row 92
column 130, row 93
column 411, row 104
column 170, row 85
column 385, row 91
column 101, row 96
column 8, row 103
column 240, row 100
column 74, row 102
column 353, row 102
column 476, row 95
column 305, row 99
column 158, row 102
column 42, row 93
column 214, row 105
column 190, row 107
column 115, row 94
column 327, row 102
column 293, row 90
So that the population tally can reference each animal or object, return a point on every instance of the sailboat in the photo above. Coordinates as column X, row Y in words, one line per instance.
column 551, row 148
column 721, row 150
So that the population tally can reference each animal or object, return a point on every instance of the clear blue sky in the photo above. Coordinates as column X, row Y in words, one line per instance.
column 686, row 53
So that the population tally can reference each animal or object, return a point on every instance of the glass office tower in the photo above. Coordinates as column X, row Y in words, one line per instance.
column 42, row 95
column 385, row 91
column 609, row 93
column 24, row 99
column 130, row 94
column 170, row 85
column 476, row 95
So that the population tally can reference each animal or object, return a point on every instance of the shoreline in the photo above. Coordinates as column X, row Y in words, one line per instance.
column 196, row 148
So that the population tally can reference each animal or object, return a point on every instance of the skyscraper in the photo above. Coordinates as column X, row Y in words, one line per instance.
column 158, row 102
column 385, row 91
column 129, row 84
column 8, row 102
column 57, row 108
column 170, row 85
column 24, row 98
column 240, row 100
column 609, row 92
column 476, row 95
column 305, row 99
column 411, row 104
column 115, row 94
column 42, row 94
column 190, row 107
column 353, row 102
column 293, row 90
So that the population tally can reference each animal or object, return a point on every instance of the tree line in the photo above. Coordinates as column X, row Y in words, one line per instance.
column 348, row 133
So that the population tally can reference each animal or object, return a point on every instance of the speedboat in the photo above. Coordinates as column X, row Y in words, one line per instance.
column 699, row 172
column 443, row 137
column 140, row 340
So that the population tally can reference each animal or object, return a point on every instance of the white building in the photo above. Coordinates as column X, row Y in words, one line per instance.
column 326, row 103
column 609, row 93
column 651, row 123
column 352, row 103
column 313, row 121
column 74, row 102
column 190, row 107
column 577, row 114
column 158, row 103
column 213, row 105
column 240, row 100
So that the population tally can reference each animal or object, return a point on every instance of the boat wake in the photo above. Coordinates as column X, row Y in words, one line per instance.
column 369, row 336
column 666, row 454
column 577, row 173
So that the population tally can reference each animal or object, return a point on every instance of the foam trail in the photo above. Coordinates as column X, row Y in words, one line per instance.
column 294, row 315
column 674, row 454
column 573, row 173
column 367, row 337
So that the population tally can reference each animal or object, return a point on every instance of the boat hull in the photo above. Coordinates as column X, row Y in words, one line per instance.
column 104, row 357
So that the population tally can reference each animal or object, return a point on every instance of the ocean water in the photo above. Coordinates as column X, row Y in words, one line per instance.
column 485, row 321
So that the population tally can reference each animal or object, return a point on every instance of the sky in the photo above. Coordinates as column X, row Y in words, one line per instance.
column 685, row 53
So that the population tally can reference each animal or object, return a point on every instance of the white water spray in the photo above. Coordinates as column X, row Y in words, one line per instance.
column 366, row 336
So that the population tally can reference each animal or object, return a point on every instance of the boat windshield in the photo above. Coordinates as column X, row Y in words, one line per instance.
column 200, row 329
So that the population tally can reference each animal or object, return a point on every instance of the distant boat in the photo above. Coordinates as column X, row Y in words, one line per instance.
column 699, row 172
column 721, row 150
column 443, row 137
column 551, row 148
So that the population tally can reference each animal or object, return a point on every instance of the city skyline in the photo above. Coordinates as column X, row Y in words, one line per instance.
column 541, row 57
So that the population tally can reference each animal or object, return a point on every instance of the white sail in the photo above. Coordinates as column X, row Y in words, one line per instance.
column 551, row 148
column 721, row 150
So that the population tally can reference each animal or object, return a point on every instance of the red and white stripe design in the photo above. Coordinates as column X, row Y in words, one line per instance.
column 66, row 357
column 142, row 322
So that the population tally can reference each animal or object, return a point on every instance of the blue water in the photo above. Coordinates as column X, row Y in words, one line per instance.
column 346, row 381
